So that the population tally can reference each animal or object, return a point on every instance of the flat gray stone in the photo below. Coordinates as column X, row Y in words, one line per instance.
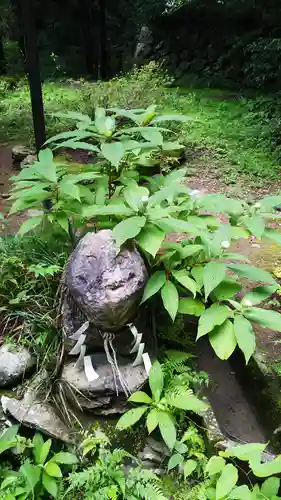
column 15, row 364
column 37, row 415
column 100, row 395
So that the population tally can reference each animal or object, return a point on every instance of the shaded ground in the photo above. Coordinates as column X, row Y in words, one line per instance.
column 6, row 171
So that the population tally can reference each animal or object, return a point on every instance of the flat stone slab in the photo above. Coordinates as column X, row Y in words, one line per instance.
column 100, row 396
column 37, row 415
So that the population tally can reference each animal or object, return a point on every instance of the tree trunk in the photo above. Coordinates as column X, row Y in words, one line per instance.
column 103, row 69
column 3, row 68
column 33, row 70
column 89, row 38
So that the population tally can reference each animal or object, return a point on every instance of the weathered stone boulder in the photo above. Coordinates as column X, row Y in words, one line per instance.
column 100, row 396
column 102, row 286
column 39, row 415
column 19, row 153
column 15, row 364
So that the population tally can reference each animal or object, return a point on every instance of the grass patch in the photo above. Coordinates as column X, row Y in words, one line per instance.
column 30, row 271
column 230, row 127
column 240, row 132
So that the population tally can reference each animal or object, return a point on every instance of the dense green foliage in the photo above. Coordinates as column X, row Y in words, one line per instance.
column 240, row 136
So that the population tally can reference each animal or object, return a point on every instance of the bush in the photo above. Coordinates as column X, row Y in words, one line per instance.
column 139, row 88
column 262, row 68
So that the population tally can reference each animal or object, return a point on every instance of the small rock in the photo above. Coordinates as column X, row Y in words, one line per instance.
column 100, row 396
column 28, row 160
column 15, row 364
column 37, row 415
column 19, row 153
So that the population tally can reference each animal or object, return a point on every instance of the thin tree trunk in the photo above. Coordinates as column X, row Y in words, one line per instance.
column 33, row 70
column 103, row 68
column 89, row 38
column 3, row 68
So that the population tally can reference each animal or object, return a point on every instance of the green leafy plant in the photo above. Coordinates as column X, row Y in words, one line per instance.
column 189, row 453
column 225, row 475
column 160, row 406
column 107, row 479
column 38, row 473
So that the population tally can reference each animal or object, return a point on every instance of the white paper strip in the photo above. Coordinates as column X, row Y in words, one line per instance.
column 134, row 331
column 80, row 361
column 138, row 361
column 82, row 329
column 147, row 362
column 137, row 344
column 77, row 348
column 90, row 373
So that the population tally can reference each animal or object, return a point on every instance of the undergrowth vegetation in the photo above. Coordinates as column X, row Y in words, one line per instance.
column 241, row 132
column 118, row 126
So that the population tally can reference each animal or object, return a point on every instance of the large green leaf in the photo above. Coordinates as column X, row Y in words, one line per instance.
column 257, row 295
column 170, row 298
column 266, row 469
column 113, row 209
column 214, row 273
column 134, row 196
column 198, row 272
column 50, row 485
column 167, row 428
column 52, row 469
column 174, row 225
column 30, row 224
column 127, row 229
column 273, row 235
column 72, row 144
column 64, row 457
column 101, row 190
column 184, row 279
column 223, row 340
column 189, row 467
column 113, row 152
column 187, row 401
column 48, row 168
column 130, row 418
column 215, row 465
column 140, row 397
column 155, row 282
column 251, row 272
column 241, row 493
column 270, row 487
column 73, row 115
column 226, row 289
column 190, row 249
column 152, row 135
column 175, row 460
column 245, row 336
column 226, row 481
column 45, row 450
column 156, row 381
column 150, row 239
column 152, row 420
column 69, row 190
column 8, row 438
column 255, row 224
column 246, row 451
column 73, row 134
column 211, row 317
column 194, row 307
column 31, row 474
column 265, row 318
